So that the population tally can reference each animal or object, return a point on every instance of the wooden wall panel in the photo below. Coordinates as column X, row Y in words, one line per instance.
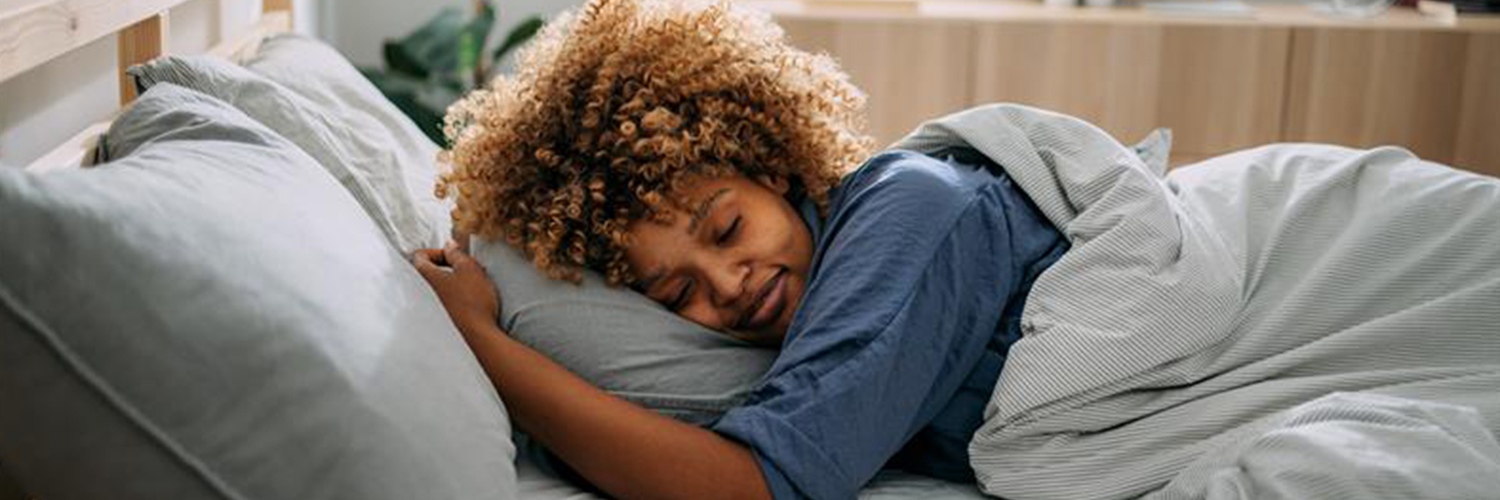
column 1478, row 146
column 1222, row 85
column 912, row 70
column 1409, row 88
column 1102, row 73
column 1219, row 88
column 1222, row 88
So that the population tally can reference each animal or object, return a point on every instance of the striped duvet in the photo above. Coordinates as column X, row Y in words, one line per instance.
column 1292, row 321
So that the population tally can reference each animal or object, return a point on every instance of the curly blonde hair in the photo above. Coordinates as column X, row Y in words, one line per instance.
column 615, row 107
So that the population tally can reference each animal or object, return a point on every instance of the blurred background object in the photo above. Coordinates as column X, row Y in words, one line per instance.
column 1260, row 73
column 36, row 114
column 1223, row 78
column 429, row 69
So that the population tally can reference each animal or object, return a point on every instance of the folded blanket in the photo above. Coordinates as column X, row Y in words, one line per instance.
column 1197, row 314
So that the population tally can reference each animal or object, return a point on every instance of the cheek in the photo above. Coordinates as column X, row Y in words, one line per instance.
column 796, row 288
column 704, row 316
column 789, row 240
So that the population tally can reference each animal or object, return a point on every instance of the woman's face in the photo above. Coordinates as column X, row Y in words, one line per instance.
column 735, row 261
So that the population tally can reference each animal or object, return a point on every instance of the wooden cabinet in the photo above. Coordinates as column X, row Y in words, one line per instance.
column 1221, row 84
column 1436, row 93
column 900, row 95
column 1219, row 89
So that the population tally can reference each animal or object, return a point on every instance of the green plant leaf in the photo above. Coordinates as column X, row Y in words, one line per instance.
column 421, row 100
column 518, row 36
column 471, row 44
column 432, row 48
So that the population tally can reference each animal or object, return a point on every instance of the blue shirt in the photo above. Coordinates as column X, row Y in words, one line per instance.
column 917, row 284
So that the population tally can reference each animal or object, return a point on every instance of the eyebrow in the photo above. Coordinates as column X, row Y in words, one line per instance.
column 703, row 209
column 697, row 218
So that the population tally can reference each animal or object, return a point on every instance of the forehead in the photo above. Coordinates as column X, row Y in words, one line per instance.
column 694, row 195
column 670, row 230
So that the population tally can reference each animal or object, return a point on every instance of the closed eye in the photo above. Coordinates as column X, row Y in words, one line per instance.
column 681, row 300
column 729, row 234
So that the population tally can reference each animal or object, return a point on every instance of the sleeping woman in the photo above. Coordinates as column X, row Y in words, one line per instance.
column 687, row 152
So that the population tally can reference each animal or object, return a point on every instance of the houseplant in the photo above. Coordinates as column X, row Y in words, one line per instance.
column 431, row 68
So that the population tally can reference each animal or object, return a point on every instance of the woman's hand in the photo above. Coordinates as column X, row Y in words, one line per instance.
column 461, row 284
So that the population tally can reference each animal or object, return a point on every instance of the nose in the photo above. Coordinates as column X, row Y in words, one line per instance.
column 726, row 280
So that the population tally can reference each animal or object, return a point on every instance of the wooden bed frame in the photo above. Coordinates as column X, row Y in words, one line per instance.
column 36, row 33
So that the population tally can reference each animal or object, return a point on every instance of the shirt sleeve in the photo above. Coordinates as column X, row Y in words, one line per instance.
column 908, row 286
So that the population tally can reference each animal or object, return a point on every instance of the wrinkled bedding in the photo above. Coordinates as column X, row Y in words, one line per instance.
column 537, row 484
column 1292, row 321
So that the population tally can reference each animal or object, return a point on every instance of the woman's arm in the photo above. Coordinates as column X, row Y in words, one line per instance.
column 627, row 451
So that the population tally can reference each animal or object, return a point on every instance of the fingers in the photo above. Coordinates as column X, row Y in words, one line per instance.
column 460, row 260
column 429, row 263
column 431, row 255
column 428, row 270
column 433, row 263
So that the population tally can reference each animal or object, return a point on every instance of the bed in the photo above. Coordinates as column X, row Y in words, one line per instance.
column 131, row 404
column 293, row 352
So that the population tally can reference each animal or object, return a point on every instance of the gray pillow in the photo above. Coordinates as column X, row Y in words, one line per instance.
column 309, row 94
column 622, row 341
column 212, row 316
column 317, row 71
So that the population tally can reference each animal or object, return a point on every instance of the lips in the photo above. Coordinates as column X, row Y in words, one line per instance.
column 768, row 303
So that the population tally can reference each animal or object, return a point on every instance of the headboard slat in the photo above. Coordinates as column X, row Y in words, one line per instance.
column 141, row 42
column 276, row 5
column 77, row 151
column 141, row 39
column 43, row 30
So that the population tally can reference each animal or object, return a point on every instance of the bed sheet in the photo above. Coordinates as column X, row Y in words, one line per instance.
column 534, row 484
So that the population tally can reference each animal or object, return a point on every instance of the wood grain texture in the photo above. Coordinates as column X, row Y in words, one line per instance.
column 138, row 43
column 41, row 31
column 1478, row 143
column 912, row 71
column 1365, row 88
column 78, row 150
column 276, row 6
column 1218, row 88
column 1286, row 15
column 1286, row 74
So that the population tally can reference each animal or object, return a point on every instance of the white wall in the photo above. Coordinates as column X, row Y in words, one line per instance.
column 45, row 106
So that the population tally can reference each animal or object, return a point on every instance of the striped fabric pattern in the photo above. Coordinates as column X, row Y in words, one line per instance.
column 1200, row 313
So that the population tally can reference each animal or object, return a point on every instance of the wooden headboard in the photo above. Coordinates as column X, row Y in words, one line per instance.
column 43, row 30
